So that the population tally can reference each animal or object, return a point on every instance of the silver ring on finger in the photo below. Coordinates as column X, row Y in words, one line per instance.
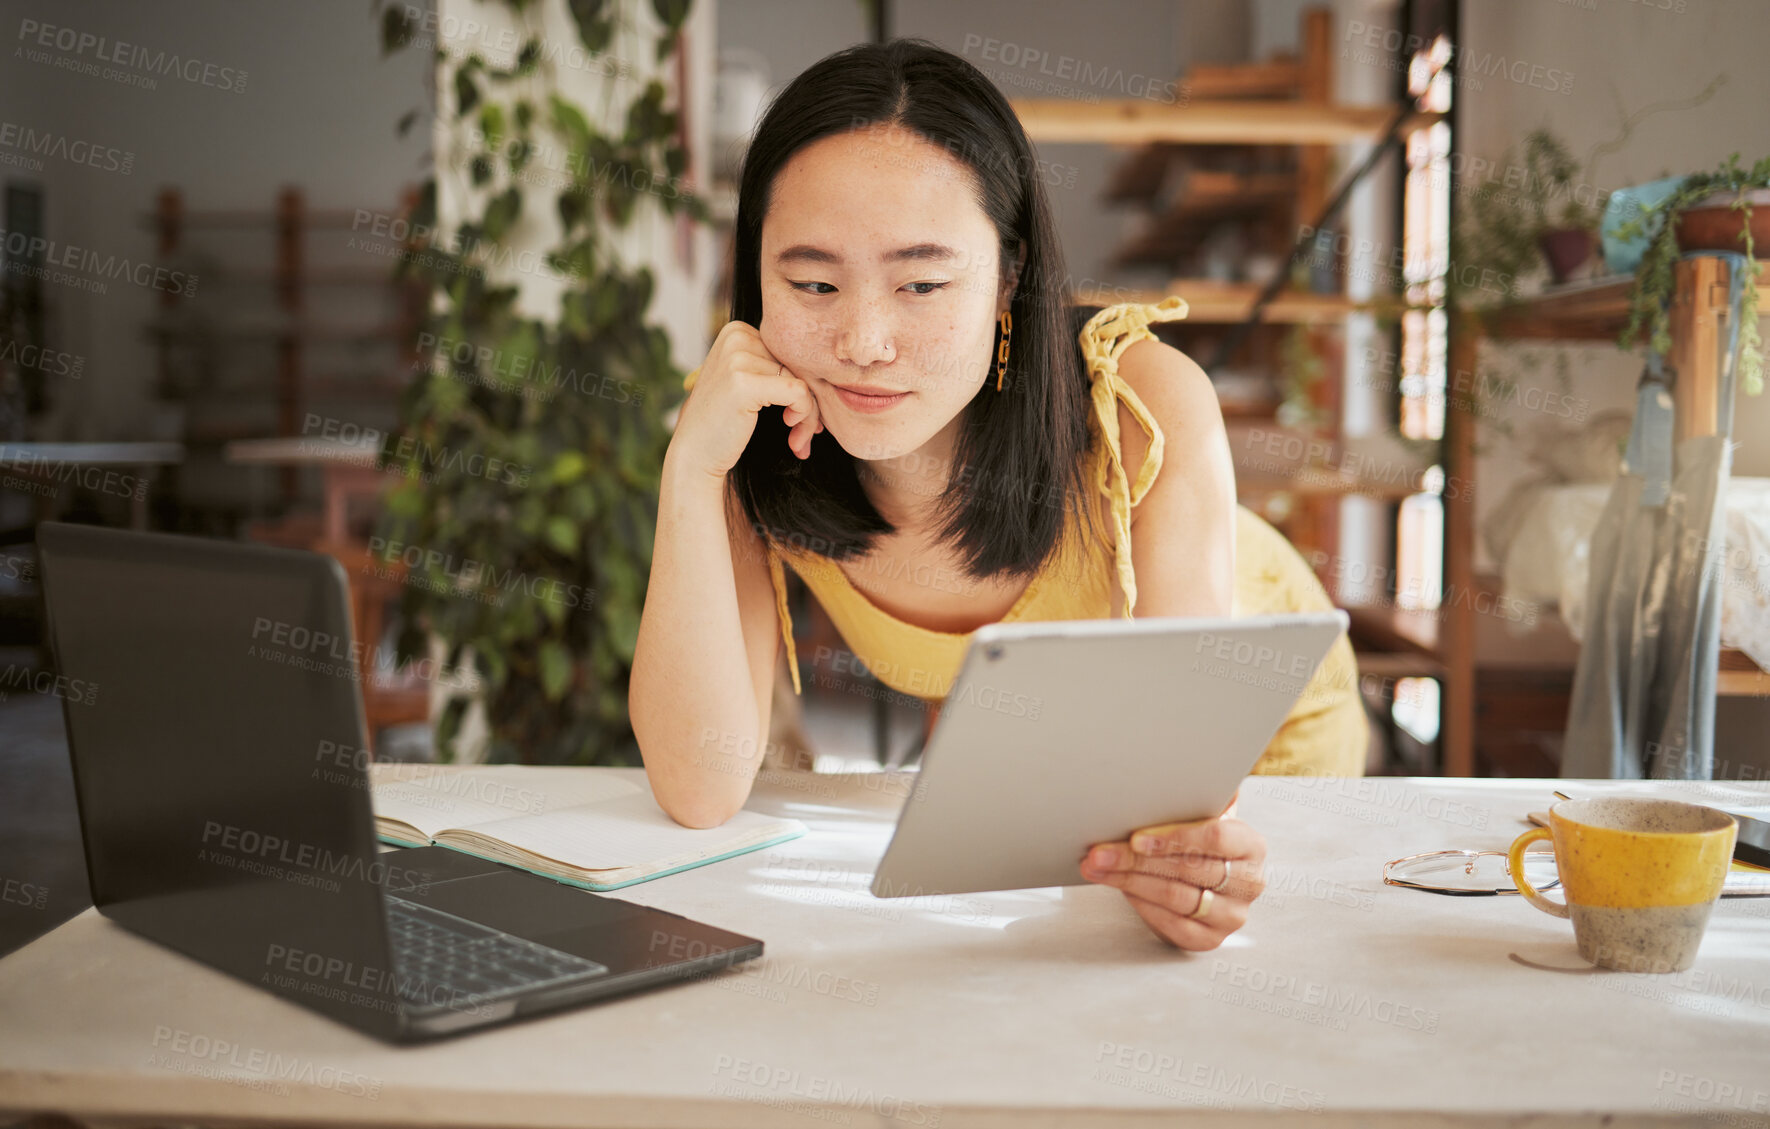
column 1205, row 897
column 1225, row 879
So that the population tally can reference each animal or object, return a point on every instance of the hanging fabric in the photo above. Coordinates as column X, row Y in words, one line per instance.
column 1643, row 700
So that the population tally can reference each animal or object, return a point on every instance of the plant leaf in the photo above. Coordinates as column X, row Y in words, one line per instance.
column 491, row 124
column 501, row 213
column 466, row 92
column 594, row 29
column 562, row 533
column 670, row 13
column 568, row 467
column 556, row 669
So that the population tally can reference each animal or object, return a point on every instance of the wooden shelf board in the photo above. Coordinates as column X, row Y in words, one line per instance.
column 1742, row 683
column 1237, row 121
column 307, row 276
column 1545, row 647
column 1595, row 311
column 219, row 434
column 1274, row 78
column 376, row 388
column 1317, row 482
column 1501, row 644
column 306, row 331
column 1584, row 312
column 307, row 219
column 1739, row 676
column 1248, row 409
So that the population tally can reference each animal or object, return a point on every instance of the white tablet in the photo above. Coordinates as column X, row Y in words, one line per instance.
column 1062, row 734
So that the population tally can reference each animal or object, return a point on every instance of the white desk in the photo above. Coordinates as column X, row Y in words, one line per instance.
column 1343, row 1003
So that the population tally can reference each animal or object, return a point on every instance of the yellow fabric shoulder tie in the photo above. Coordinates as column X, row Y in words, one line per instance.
column 1104, row 340
column 779, row 580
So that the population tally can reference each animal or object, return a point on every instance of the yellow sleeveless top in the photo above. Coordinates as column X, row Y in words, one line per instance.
column 1325, row 732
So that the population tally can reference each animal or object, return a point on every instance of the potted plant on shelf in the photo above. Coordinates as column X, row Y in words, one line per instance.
column 1548, row 219
column 1567, row 234
column 1707, row 211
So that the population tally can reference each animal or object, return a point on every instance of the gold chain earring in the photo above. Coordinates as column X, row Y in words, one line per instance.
column 1002, row 348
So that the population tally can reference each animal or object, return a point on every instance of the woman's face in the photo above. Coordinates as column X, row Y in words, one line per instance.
column 880, row 274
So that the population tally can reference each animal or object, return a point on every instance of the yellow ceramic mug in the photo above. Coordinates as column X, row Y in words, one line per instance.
column 1640, row 875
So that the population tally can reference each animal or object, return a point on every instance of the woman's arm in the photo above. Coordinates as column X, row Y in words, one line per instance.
column 1183, row 529
column 708, row 642
column 699, row 696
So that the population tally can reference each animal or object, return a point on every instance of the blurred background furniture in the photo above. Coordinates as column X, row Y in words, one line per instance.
column 288, row 334
column 343, row 530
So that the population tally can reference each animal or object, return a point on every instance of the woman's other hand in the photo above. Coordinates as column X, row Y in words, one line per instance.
column 1166, row 872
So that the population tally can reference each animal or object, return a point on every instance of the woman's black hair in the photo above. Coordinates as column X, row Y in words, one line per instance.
column 1019, row 466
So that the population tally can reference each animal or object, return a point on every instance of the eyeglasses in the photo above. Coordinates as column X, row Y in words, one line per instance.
column 1470, row 873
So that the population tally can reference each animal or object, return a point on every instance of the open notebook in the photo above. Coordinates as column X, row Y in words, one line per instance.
column 586, row 826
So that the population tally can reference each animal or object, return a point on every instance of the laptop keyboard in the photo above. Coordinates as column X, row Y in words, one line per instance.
column 441, row 957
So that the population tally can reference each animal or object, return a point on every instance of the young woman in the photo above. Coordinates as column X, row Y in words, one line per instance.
column 902, row 411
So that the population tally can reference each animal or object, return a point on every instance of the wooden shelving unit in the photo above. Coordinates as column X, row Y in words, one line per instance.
column 290, row 330
column 1476, row 656
column 1250, row 146
column 342, row 333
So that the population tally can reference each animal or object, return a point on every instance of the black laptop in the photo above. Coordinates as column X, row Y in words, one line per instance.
column 207, row 686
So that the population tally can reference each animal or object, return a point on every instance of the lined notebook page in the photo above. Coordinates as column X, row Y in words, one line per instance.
column 435, row 800
column 630, row 831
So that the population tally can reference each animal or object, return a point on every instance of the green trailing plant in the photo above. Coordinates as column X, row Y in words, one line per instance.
column 531, row 447
column 1650, row 299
